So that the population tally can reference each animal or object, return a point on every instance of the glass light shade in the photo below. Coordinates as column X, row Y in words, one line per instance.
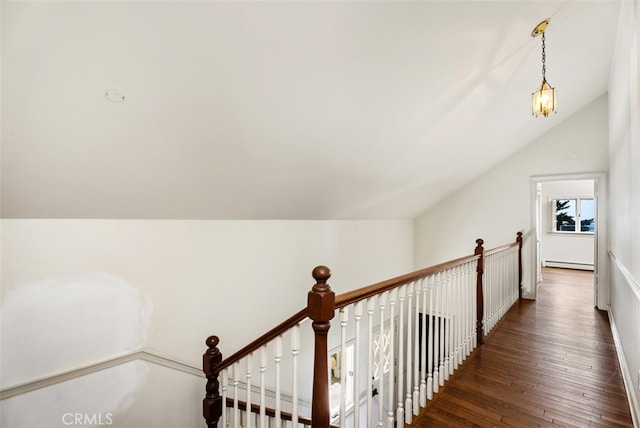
column 543, row 100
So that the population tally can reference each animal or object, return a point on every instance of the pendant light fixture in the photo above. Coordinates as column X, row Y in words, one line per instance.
column 543, row 100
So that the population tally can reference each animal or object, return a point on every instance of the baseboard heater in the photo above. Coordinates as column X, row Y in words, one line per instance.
column 568, row 265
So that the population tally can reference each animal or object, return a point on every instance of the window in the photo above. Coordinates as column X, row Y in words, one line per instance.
column 574, row 215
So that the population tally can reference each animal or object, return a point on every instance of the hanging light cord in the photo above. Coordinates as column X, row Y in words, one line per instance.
column 544, row 68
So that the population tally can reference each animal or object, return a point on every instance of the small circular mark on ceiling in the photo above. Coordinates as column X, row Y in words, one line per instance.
column 115, row 95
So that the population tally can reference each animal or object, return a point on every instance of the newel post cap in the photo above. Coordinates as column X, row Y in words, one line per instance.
column 321, row 299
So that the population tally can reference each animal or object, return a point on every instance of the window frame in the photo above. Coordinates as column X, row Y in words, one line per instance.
column 578, row 216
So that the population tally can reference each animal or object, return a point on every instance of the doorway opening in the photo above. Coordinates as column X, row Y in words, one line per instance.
column 568, row 227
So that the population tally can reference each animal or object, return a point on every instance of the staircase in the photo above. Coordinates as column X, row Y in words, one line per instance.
column 373, row 356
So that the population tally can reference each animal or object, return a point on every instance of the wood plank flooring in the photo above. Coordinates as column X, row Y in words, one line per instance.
column 548, row 363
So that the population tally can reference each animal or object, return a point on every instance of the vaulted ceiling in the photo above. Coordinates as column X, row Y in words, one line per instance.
column 263, row 109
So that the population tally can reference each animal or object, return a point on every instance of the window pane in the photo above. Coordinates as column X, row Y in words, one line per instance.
column 587, row 215
column 566, row 215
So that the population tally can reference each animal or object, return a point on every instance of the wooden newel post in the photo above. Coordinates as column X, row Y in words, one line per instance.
column 519, row 241
column 212, row 403
column 321, row 309
column 479, row 293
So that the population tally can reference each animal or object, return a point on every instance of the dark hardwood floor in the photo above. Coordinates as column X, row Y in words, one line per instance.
column 548, row 363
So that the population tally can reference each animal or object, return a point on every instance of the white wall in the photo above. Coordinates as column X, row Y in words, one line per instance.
column 498, row 204
column 571, row 250
column 624, row 200
column 79, row 291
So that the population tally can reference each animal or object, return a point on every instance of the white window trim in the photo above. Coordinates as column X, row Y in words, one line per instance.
column 552, row 203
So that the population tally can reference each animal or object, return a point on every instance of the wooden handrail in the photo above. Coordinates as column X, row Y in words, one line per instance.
column 500, row 248
column 346, row 299
column 263, row 340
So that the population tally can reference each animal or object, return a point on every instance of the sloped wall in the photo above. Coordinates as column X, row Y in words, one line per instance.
column 498, row 204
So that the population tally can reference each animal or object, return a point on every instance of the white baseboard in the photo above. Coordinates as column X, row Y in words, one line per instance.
column 568, row 265
column 627, row 376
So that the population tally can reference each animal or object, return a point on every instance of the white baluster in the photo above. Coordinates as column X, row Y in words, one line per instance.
column 452, row 320
column 295, row 347
column 487, row 294
column 344, row 318
column 423, row 345
column 474, row 308
column 496, row 288
column 357, row 315
column 436, row 332
column 495, row 298
column 462, row 314
column 452, row 327
column 502, row 284
column 393, row 296
column 457, row 360
column 447, row 317
column 248, row 392
column 512, row 280
column 429, row 333
column 516, row 276
column 441, row 327
column 408, row 404
column 263, row 368
column 224, row 394
column 371, row 302
column 400, row 411
column 472, row 296
column 236, row 381
column 491, row 294
column 498, row 291
column 382, row 302
column 278, row 358
column 505, row 282
column 416, row 351
column 468, row 313
column 465, row 310
column 460, row 317
column 455, row 322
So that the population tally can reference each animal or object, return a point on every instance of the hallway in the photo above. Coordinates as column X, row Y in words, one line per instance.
column 548, row 363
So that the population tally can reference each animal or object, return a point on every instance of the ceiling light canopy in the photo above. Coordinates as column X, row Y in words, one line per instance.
column 543, row 101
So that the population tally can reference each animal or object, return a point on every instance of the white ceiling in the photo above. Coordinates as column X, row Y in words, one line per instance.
column 264, row 109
